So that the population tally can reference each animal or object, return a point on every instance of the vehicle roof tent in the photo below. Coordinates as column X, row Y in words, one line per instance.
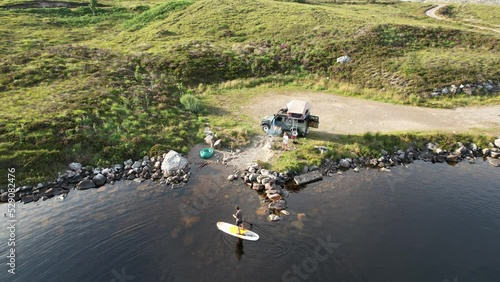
column 298, row 109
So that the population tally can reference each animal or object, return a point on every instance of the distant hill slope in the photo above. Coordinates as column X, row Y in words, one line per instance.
column 486, row 2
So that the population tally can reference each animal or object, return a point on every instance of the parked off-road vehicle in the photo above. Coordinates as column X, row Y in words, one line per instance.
column 295, row 118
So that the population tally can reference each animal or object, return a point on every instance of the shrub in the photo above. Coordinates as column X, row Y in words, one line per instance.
column 191, row 103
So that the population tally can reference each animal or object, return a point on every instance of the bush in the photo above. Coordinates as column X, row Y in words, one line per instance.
column 191, row 103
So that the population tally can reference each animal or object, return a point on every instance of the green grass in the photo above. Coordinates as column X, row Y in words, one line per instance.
column 156, row 13
column 105, row 85
column 370, row 145
column 482, row 15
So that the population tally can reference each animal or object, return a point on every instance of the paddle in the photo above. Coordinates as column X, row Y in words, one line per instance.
column 251, row 224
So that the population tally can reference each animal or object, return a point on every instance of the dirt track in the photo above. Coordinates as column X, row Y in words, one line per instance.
column 346, row 115
column 432, row 13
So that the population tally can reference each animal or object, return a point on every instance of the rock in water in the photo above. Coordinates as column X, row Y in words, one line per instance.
column 85, row 184
column 274, row 197
column 494, row 162
column 273, row 217
column 278, row 205
column 285, row 212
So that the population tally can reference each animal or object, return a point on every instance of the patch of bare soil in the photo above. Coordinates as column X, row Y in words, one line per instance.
column 347, row 115
column 240, row 159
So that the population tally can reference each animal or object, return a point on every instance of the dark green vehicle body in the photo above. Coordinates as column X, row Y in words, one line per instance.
column 294, row 126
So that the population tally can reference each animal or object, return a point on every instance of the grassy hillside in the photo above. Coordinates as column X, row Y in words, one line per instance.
column 104, row 85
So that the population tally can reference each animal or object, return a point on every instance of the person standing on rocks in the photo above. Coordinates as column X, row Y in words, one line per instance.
column 239, row 219
column 284, row 145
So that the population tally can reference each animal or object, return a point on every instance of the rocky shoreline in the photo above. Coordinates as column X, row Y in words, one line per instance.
column 172, row 169
column 271, row 185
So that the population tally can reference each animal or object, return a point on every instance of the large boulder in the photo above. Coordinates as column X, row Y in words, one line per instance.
column 172, row 162
column 497, row 142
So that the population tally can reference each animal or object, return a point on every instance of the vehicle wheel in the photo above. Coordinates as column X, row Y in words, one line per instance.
column 265, row 127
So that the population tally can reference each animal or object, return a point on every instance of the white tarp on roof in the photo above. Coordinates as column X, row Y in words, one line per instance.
column 298, row 107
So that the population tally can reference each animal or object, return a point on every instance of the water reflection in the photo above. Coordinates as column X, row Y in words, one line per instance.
column 239, row 249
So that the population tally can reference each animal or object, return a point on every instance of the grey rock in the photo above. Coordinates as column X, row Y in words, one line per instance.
column 4, row 197
column 156, row 175
column 137, row 164
column 49, row 192
column 173, row 161
column 461, row 150
column 85, row 184
column 258, row 187
column 253, row 177
column 264, row 172
column 75, row 166
column 494, row 162
column 473, row 146
column 27, row 199
column 497, row 143
column 99, row 180
column 277, row 205
column 345, row 163
column 26, row 189
column 343, row 59
column 128, row 162
column 231, row 177
column 431, row 146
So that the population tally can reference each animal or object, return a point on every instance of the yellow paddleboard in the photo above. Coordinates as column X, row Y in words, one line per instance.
column 232, row 230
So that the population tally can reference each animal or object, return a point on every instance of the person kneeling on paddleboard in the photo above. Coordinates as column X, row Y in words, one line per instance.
column 239, row 219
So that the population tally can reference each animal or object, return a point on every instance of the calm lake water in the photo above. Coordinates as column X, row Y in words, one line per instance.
column 427, row 222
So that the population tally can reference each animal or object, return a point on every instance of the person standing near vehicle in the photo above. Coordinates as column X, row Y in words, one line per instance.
column 239, row 219
column 284, row 145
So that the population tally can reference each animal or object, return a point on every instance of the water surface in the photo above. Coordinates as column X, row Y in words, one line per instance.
column 427, row 222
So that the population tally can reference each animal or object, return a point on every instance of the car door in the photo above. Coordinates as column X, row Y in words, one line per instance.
column 313, row 121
